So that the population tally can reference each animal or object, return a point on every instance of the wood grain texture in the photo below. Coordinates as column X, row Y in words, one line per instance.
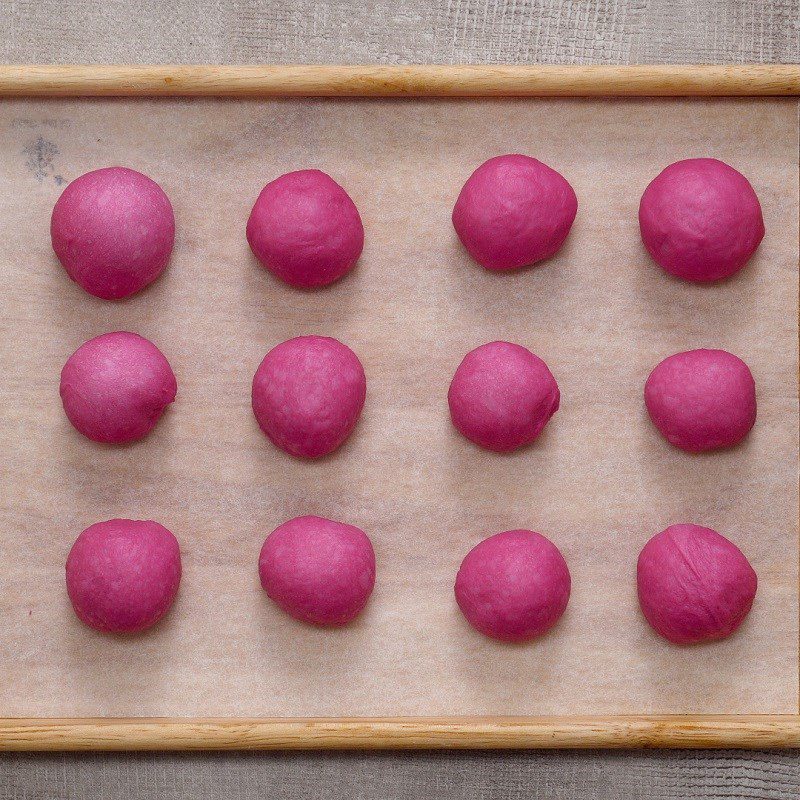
column 404, row 775
column 767, row 731
column 398, row 81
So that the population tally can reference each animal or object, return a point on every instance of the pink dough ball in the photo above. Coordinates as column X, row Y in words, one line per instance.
column 113, row 231
column 122, row 575
column 514, row 211
column 502, row 396
column 701, row 399
column 317, row 570
column 513, row 586
column 700, row 220
column 115, row 387
column 305, row 229
column 308, row 394
column 694, row 585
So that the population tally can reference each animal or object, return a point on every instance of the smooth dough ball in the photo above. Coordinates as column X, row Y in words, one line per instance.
column 305, row 229
column 115, row 387
column 113, row 231
column 308, row 394
column 514, row 211
column 502, row 396
column 122, row 575
column 318, row 570
column 701, row 399
column 513, row 586
column 694, row 585
column 700, row 220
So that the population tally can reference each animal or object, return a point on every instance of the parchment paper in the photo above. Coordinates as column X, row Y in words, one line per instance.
column 599, row 482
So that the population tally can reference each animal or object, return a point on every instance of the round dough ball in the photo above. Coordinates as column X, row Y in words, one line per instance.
column 700, row 220
column 318, row 570
column 514, row 211
column 305, row 229
column 115, row 387
column 502, row 396
column 122, row 575
column 694, row 585
column 113, row 231
column 513, row 586
column 308, row 394
column 701, row 399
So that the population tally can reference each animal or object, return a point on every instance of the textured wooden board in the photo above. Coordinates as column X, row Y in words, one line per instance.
column 501, row 774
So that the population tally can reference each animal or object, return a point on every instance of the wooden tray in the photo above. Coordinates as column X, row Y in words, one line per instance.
column 744, row 730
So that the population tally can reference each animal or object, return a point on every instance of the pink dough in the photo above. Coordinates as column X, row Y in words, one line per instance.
column 700, row 220
column 514, row 211
column 694, row 585
column 308, row 394
column 318, row 570
column 502, row 396
column 513, row 586
column 113, row 231
column 305, row 229
column 701, row 399
column 122, row 575
column 115, row 387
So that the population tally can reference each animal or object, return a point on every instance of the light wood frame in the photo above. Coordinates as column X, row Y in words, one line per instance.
column 399, row 81
column 745, row 731
column 402, row 733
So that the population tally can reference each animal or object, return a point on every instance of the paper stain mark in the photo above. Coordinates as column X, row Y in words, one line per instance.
column 40, row 157
column 33, row 124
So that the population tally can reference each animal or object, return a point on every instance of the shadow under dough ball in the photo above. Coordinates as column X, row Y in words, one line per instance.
column 513, row 586
column 308, row 394
column 514, row 211
column 700, row 220
column 317, row 570
column 502, row 396
column 305, row 229
column 113, row 231
column 701, row 399
column 123, row 574
column 115, row 387
column 694, row 585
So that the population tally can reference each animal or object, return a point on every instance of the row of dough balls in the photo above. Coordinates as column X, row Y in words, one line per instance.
column 694, row 585
column 113, row 229
column 308, row 393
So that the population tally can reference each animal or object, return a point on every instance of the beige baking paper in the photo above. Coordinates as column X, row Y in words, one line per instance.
column 599, row 482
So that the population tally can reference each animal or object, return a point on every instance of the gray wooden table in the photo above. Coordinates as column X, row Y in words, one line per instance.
column 401, row 31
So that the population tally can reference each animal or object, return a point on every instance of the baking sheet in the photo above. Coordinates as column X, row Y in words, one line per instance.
column 599, row 482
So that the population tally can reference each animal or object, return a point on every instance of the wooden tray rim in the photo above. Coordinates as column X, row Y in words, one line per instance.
column 434, row 80
column 401, row 733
